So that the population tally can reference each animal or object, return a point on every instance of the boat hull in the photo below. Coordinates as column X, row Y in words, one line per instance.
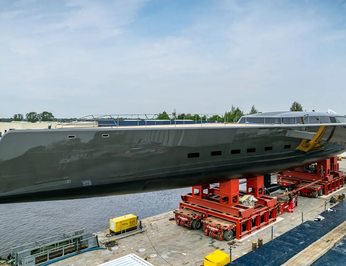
column 75, row 163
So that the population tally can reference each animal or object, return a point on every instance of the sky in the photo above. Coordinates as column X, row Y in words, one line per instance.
column 75, row 58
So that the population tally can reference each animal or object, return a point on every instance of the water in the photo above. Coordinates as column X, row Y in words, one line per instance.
column 21, row 223
column 335, row 256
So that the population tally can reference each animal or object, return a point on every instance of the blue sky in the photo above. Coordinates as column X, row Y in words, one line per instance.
column 75, row 57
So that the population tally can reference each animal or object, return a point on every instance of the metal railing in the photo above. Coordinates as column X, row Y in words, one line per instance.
column 46, row 240
column 51, row 248
column 116, row 120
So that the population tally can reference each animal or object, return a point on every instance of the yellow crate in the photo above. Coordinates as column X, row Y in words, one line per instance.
column 123, row 223
column 217, row 258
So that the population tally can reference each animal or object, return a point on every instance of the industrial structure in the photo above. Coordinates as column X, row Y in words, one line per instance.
column 51, row 249
column 218, row 210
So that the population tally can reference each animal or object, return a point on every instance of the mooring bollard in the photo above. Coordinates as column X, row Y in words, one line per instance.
column 254, row 245
column 260, row 242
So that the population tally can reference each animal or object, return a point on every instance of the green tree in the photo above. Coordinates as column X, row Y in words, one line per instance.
column 233, row 115
column 46, row 116
column 163, row 116
column 296, row 107
column 216, row 118
column 32, row 117
column 18, row 117
column 196, row 117
column 253, row 110
column 181, row 116
column 186, row 116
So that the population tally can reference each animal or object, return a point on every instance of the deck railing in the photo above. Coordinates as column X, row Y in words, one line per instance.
column 116, row 120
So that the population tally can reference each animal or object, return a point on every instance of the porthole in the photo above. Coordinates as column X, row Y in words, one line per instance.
column 235, row 151
column 216, row 153
column 193, row 155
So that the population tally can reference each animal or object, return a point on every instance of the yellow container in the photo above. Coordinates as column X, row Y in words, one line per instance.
column 217, row 258
column 123, row 223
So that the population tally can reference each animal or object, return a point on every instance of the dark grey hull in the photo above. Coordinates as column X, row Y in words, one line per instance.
column 74, row 163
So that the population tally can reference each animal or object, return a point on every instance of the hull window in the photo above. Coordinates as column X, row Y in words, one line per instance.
column 255, row 120
column 105, row 135
column 235, row 151
column 289, row 120
column 269, row 148
column 314, row 120
column 271, row 120
column 216, row 153
column 325, row 119
column 72, row 137
column 251, row 150
column 193, row 155
column 340, row 119
column 287, row 146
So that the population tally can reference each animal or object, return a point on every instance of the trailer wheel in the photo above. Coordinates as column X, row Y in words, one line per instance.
column 196, row 224
column 320, row 192
column 314, row 194
column 228, row 235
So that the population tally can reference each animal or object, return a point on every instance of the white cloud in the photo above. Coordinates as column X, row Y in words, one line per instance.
column 86, row 57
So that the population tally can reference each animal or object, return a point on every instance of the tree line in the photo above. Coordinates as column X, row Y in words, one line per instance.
column 231, row 116
column 34, row 117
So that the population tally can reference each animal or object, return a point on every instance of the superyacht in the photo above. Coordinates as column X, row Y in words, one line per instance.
column 75, row 162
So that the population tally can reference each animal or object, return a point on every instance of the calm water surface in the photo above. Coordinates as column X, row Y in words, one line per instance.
column 27, row 222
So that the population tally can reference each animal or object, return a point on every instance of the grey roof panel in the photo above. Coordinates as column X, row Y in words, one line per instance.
column 289, row 114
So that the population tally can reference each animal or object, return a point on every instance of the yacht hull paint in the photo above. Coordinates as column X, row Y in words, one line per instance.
column 75, row 163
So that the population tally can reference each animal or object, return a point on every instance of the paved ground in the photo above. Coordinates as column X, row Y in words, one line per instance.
column 165, row 243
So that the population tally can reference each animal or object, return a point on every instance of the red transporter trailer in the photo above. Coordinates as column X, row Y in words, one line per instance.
column 218, row 209
column 222, row 216
column 321, row 178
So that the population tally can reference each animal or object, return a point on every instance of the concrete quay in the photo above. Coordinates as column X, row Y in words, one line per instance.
column 165, row 243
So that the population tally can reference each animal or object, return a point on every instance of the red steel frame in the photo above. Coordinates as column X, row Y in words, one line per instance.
column 223, row 202
column 326, row 178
